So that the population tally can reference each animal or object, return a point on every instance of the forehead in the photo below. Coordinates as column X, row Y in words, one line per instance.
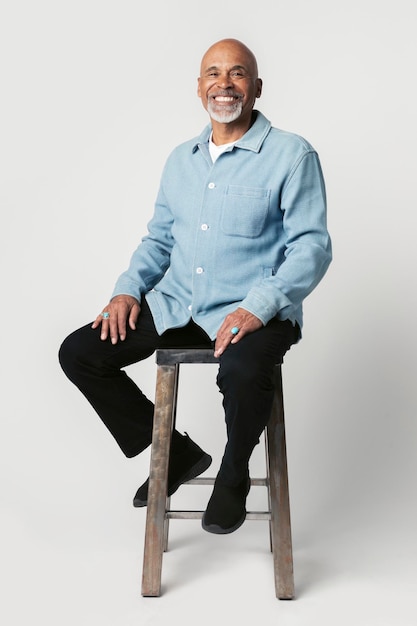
column 227, row 56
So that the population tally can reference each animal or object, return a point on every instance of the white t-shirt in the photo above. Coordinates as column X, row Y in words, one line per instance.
column 216, row 151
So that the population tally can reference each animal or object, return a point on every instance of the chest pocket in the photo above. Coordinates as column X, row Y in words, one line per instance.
column 244, row 210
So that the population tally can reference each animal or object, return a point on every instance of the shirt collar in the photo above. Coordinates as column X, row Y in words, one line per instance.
column 251, row 140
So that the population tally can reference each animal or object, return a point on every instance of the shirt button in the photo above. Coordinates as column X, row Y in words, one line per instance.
column 204, row 226
column 189, row 307
column 199, row 270
column 211, row 185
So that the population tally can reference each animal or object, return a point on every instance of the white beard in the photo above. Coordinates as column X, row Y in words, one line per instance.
column 228, row 114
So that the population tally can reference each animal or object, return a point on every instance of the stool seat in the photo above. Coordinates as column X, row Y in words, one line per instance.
column 159, row 511
column 176, row 356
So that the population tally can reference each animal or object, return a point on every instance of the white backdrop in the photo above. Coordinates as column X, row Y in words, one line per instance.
column 94, row 95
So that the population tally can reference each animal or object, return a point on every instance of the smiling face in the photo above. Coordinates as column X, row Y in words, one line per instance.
column 228, row 84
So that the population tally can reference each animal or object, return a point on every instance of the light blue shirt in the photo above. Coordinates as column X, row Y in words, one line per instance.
column 246, row 231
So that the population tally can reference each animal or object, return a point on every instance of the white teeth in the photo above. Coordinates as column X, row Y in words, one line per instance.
column 224, row 98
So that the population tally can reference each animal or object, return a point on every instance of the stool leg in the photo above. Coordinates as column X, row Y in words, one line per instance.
column 279, row 497
column 268, row 483
column 155, row 532
column 173, row 420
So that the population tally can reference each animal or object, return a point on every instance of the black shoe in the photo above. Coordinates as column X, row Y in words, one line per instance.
column 187, row 460
column 226, row 510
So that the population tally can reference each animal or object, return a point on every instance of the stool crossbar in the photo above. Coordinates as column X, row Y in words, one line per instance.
column 159, row 511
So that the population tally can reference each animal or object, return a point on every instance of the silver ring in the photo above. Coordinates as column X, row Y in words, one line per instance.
column 105, row 315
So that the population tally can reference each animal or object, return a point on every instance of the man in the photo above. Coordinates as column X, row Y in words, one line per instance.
column 240, row 223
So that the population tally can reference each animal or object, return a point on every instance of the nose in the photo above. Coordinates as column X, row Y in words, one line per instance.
column 224, row 81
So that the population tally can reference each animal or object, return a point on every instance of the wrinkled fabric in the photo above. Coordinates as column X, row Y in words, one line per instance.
column 246, row 231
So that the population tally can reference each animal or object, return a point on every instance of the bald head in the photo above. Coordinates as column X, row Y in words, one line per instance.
column 227, row 47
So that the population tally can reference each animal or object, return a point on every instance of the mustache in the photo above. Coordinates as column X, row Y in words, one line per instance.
column 227, row 93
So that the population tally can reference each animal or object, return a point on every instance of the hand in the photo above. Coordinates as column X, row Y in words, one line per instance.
column 243, row 320
column 121, row 309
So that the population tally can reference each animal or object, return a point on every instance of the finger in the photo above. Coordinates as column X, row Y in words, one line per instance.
column 104, row 330
column 112, row 326
column 96, row 322
column 104, row 326
column 121, row 325
column 133, row 317
column 224, row 337
column 238, row 336
column 105, row 319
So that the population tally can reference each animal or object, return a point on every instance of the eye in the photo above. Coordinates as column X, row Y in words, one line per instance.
column 237, row 74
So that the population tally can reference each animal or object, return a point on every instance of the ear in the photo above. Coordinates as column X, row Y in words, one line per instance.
column 259, row 87
column 198, row 88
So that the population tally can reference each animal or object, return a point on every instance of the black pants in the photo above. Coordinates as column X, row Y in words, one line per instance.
column 245, row 378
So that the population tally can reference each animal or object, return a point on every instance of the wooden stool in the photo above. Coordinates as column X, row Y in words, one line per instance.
column 158, row 508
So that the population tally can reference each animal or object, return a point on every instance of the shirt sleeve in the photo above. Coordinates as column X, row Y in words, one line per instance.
column 151, row 258
column 308, row 251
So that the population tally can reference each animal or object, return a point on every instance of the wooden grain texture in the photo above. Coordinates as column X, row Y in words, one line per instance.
column 279, row 496
column 155, row 532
